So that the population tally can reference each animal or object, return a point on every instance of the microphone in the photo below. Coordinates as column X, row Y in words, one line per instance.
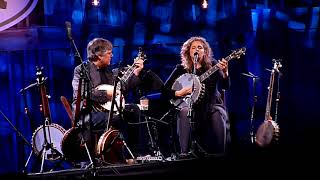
column 196, row 56
column 68, row 27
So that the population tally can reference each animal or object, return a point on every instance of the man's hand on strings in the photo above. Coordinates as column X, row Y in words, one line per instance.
column 138, row 67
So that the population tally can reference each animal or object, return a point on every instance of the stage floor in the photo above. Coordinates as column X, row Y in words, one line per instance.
column 268, row 163
column 183, row 167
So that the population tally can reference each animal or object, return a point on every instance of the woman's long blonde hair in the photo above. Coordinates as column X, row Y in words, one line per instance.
column 186, row 60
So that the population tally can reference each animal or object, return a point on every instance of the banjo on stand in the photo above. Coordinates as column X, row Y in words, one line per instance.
column 196, row 82
column 268, row 131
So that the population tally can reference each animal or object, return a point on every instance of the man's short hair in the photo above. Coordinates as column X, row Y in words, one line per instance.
column 98, row 47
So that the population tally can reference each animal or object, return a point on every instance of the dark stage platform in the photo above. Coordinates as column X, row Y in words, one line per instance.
column 240, row 164
column 151, row 168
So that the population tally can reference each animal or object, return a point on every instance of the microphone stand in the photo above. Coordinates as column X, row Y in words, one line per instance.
column 194, row 144
column 255, row 99
column 86, row 100
column 87, row 84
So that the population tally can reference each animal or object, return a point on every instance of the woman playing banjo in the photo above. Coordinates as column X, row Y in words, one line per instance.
column 209, row 114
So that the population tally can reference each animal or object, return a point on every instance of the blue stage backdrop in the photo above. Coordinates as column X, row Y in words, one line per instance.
column 268, row 29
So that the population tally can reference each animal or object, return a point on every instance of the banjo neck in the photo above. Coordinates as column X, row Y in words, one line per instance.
column 270, row 90
column 45, row 108
column 127, row 74
column 269, row 98
column 234, row 54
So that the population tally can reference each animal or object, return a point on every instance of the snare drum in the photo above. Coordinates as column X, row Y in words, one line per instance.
column 110, row 147
column 54, row 135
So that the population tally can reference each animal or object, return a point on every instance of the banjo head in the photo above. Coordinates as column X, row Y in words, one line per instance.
column 107, row 106
column 188, row 80
column 267, row 133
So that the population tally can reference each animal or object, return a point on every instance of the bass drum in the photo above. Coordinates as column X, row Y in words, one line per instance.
column 110, row 147
column 267, row 133
column 54, row 135
column 72, row 147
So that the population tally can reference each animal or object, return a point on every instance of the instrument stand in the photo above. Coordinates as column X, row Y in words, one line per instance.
column 47, row 145
column 119, row 108
column 278, row 97
column 44, row 108
column 255, row 99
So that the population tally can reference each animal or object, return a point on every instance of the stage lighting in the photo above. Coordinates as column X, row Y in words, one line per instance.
column 95, row 2
column 204, row 4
